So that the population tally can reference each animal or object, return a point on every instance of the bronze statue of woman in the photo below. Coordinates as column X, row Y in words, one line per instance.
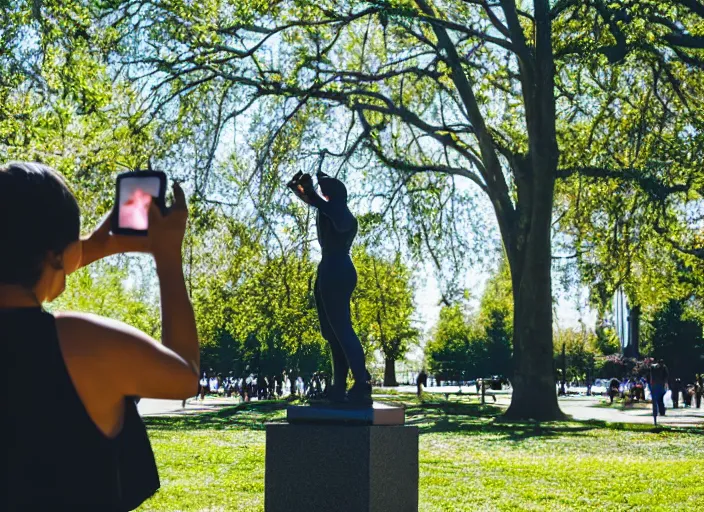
column 334, row 284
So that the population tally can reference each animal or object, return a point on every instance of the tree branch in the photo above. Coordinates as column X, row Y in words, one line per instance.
column 649, row 184
column 517, row 36
column 561, row 6
column 696, row 252
column 416, row 168
column 693, row 5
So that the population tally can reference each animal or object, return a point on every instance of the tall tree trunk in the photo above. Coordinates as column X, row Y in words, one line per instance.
column 530, row 241
column 530, row 258
column 390, row 372
column 534, row 393
column 524, row 220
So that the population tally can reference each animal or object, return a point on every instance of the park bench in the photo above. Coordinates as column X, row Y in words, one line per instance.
column 473, row 393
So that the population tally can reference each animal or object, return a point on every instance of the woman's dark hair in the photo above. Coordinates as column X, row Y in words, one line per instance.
column 38, row 214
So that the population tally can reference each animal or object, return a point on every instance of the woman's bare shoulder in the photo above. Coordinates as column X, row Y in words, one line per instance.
column 78, row 327
column 89, row 350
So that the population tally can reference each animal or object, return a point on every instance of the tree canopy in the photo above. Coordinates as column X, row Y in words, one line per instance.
column 574, row 119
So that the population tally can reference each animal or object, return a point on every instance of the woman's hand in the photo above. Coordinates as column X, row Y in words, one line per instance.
column 293, row 183
column 166, row 232
column 102, row 243
column 306, row 185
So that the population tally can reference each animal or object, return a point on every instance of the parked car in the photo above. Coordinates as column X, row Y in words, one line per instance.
column 497, row 382
column 600, row 386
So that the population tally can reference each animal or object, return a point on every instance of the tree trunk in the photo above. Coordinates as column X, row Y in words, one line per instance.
column 390, row 372
column 534, row 394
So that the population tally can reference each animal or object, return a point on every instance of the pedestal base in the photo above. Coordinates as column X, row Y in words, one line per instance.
column 341, row 468
column 376, row 414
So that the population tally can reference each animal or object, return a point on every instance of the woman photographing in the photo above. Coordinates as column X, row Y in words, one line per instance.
column 84, row 447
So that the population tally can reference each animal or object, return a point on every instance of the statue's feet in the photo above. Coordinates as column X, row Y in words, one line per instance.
column 336, row 395
column 360, row 394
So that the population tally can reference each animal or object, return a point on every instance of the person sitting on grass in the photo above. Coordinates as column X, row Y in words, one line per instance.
column 84, row 446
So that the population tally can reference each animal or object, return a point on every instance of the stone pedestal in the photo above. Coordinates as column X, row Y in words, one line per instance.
column 376, row 414
column 341, row 468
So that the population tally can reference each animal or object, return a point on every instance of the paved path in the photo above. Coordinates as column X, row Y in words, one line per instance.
column 579, row 407
column 152, row 407
column 583, row 408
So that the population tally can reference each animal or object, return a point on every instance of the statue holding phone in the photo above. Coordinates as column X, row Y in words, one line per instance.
column 336, row 280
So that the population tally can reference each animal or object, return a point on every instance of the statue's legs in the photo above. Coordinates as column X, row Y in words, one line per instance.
column 337, row 279
column 339, row 360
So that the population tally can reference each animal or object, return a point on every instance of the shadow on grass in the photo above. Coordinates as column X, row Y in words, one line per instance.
column 251, row 416
column 646, row 427
column 622, row 406
column 430, row 416
column 476, row 419
column 471, row 418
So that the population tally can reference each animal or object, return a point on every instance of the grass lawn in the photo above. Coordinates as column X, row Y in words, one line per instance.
column 469, row 460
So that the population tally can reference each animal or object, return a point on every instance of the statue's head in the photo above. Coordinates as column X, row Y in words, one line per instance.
column 332, row 188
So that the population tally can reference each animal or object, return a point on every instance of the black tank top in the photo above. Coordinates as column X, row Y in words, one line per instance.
column 57, row 458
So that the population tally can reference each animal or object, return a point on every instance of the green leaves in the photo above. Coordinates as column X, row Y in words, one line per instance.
column 255, row 310
column 467, row 346
column 382, row 304
column 108, row 289
column 678, row 340
column 580, row 352
column 456, row 343
column 632, row 132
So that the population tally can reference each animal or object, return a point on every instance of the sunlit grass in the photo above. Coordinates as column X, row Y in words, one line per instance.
column 469, row 460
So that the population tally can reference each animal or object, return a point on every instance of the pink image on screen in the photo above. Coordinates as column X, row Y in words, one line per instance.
column 134, row 211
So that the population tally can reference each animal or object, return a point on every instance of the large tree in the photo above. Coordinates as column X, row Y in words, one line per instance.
column 678, row 340
column 632, row 201
column 456, row 348
column 437, row 92
column 496, row 320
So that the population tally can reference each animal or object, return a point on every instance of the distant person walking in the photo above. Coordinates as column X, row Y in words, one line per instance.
column 214, row 385
column 675, row 389
column 202, row 386
column 422, row 381
column 614, row 385
column 658, row 385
